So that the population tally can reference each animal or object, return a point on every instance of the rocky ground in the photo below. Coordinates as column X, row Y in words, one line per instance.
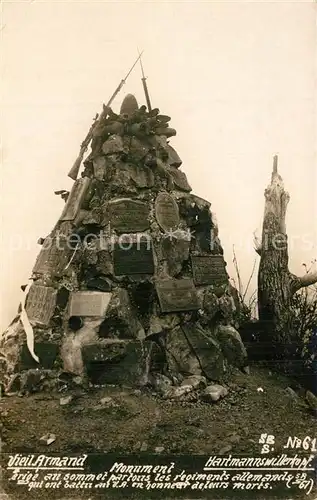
column 124, row 420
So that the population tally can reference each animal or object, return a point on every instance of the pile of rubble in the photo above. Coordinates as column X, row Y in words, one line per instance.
column 131, row 282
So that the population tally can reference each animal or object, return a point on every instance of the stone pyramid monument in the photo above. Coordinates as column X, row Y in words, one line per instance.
column 131, row 283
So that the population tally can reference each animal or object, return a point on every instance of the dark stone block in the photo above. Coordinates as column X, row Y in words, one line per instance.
column 46, row 352
column 117, row 362
column 207, row 350
column 99, row 283
column 138, row 259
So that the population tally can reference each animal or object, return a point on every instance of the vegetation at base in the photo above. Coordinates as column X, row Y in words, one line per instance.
column 297, row 356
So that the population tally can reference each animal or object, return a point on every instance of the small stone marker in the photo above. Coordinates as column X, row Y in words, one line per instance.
column 48, row 439
column 135, row 259
column 177, row 295
column 209, row 269
column 75, row 199
column 166, row 212
column 40, row 304
column 128, row 216
column 89, row 303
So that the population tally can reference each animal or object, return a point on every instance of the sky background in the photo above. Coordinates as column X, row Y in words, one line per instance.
column 239, row 80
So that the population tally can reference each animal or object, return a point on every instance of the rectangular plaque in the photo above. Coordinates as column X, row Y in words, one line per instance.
column 177, row 295
column 138, row 259
column 53, row 257
column 89, row 303
column 209, row 269
column 75, row 198
column 40, row 304
column 128, row 216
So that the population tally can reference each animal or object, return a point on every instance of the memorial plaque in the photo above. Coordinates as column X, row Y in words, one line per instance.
column 53, row 257
column 128, row 216
column 136, row 258
column 75, row 198
column 40, row 304
column 89, row 303
column 209, row 270
column 166, row 212
column 177, row 295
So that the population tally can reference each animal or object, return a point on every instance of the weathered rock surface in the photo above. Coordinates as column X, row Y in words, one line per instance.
column 232, row 346
column 213, row 393
column 118, row 362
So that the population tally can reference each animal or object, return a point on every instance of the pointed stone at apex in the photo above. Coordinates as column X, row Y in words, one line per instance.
column 129, row 105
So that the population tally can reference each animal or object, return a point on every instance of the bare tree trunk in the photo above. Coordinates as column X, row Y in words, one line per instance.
column 276, row 285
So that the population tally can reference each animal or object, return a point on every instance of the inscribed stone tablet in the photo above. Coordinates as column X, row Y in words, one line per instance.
column 166, row 212
column 128, row 216
column 209, row 270
column 138, row 259
column 89, row 303
column 177, row 295
column 40, row 304
column 53, row 257
column 75, row 198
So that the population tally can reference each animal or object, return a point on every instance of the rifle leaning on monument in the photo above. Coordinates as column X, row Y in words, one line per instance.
column 73, row 173
column 146, row 91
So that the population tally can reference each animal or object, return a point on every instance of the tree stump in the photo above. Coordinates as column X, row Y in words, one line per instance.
column 276, row 284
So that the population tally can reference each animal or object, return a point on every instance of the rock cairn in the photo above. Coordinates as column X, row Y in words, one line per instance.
column 131, row 283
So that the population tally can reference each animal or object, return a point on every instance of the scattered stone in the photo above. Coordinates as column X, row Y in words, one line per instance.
column 311, row 400
column 160, row 382
column 48, row 439
column 178, row 392
column 159, row 449
column 195, row 381
column 213, row 393
column 235, row 438
column 106, row 400
column 246, row 370
column 65, row 400
column 291, row 393
column 225, row 449
column 144, row 446
column 78, row 380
